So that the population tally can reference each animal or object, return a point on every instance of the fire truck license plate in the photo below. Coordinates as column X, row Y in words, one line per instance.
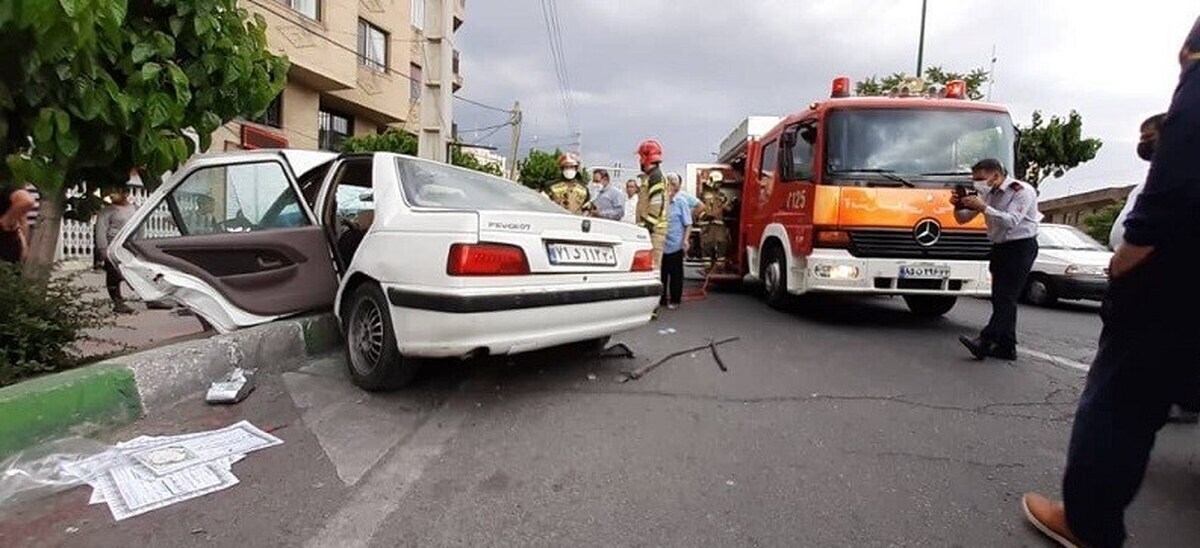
column 925, row 272
column 580, row 254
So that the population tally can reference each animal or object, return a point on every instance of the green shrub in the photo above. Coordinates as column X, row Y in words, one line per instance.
column 40, row 324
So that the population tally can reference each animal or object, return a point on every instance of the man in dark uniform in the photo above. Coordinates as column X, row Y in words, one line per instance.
column 1010, row 208
column 714, row 234
column 1150, row 339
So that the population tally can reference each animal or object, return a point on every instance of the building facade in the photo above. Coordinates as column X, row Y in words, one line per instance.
column 358, row 67
column 1074, row 209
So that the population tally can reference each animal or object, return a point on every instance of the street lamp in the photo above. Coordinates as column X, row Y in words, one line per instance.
column 921, row 45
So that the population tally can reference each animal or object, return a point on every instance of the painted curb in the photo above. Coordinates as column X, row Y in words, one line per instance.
column 89, row 399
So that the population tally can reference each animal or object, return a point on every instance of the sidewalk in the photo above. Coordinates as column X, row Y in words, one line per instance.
column 144, row 329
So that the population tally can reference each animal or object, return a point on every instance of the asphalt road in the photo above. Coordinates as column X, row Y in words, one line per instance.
column 845, row 422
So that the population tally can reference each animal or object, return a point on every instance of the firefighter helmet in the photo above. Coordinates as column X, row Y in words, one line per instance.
column 650, row 151
column 568, row 159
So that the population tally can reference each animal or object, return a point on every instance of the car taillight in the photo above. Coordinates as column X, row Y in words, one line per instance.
column 486, row 260
column 643, row 261
column 832, row 238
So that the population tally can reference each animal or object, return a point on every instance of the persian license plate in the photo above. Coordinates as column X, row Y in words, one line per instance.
column 925, row 272
column 581, row 254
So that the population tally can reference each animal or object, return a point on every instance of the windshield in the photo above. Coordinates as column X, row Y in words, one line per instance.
column 916, row 143
column 430, row 184
column 1066, row 237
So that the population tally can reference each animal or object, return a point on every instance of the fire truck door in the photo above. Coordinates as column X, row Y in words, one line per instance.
column 796, row 175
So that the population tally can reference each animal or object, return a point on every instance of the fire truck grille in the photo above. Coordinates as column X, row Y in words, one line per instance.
column 900, row 244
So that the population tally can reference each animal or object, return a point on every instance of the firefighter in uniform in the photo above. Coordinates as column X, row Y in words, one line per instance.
column 714, row 235
column 570, row 192
column 652, row 197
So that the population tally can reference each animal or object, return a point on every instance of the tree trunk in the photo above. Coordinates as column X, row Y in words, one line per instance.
column 44, row 244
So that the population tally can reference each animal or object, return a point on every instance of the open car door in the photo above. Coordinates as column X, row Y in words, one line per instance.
column 232, row 238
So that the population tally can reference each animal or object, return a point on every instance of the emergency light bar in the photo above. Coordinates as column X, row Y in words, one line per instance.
column 841, row 87
column 956, row 89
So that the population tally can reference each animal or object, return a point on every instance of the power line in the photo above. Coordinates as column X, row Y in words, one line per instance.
column 558, row 58
column 339, row 45
column 480, row 129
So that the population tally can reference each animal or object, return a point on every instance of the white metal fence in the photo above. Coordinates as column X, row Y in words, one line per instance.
column 76, row 240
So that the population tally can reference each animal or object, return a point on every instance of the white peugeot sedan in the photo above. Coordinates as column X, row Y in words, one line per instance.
column 416, row 258
column 1070, row 265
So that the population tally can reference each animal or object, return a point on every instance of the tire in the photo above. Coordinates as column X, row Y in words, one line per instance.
column 930, row 306
column 372, row 356
column 1039, row 293
column 774, row 278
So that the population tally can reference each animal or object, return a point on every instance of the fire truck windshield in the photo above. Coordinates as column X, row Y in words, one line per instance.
column 921, row 146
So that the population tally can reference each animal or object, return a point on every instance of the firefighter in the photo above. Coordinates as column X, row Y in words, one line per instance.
column 570, row 192
column 652, row 197
column 714, row 235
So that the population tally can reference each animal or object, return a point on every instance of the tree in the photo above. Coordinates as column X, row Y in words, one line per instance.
column 539, row 167
column 403, row 142
column 93, row 89
column 1050, row 149
column 1099, row 224
column 875, row 86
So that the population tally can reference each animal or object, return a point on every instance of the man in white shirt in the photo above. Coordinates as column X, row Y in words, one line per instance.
column 631, row 202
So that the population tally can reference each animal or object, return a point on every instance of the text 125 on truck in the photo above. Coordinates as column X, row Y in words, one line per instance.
column 852, row 195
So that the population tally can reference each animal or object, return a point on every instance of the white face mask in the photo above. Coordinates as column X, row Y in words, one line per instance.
column 569, row 174
column 982, row 187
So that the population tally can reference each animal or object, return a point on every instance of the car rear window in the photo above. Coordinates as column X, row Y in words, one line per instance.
column 436, row 185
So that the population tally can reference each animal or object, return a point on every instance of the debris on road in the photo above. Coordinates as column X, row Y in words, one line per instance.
column 712, row 345
column 667, row 331
column 617, row 350
column 138, row 475
column 231, row 388
column 591, row 376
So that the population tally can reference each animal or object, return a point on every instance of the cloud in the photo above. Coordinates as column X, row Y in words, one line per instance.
column 687, row 72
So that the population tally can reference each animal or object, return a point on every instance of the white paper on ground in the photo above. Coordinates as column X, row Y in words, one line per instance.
column 190, row 450
column 133, row 491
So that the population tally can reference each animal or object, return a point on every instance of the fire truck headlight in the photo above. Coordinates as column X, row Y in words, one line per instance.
column 836, row 271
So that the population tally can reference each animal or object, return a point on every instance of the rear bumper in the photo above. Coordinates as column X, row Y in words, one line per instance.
column 1077, row 288
column 837, row 271
column 457, row 324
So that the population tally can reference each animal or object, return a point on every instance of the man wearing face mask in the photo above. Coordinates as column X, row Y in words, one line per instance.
column 1150, row 340
column 571, row 193
column 1010, row 209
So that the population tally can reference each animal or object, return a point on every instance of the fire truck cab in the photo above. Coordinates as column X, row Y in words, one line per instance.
column 852, row 195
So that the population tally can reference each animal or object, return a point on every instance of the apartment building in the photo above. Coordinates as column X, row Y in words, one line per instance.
column 357, row 67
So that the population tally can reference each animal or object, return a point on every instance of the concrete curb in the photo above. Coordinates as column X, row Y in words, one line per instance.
column 116, row 392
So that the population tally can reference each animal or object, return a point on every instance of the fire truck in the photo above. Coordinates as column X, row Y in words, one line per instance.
column 852, row 196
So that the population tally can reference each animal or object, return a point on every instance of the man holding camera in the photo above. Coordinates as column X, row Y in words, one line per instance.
column 1009, row 208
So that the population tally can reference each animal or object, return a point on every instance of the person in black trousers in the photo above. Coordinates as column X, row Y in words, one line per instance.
column 679, row 223
column 1010, row 209
column 1150, row 340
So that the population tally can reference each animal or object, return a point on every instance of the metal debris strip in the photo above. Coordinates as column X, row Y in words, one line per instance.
column 710, row 346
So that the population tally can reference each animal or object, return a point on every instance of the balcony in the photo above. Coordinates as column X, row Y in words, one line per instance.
column 460, row 8
column 309, row 44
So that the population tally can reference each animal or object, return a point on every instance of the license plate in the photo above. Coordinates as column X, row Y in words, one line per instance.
column 924, row 272
column 581, row 254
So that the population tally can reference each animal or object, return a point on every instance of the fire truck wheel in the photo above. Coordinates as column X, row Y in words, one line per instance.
column 774, row 278
column 930, row 306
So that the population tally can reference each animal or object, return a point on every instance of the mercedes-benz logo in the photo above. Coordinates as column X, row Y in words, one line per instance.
column 927, row 232
column 587, row 225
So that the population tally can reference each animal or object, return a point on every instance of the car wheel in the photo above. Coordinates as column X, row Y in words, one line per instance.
column 1039, row 293
column 774, row 278
column 930, row 306
column 371, row 353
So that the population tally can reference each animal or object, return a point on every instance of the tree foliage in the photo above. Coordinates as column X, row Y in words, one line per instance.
column 541, row 167
column 403, row 142
column 1051, row 148
column 1099, row 224
column 93, row 89
column 876, row 86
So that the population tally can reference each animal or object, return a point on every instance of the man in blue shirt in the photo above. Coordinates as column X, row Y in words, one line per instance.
column 679, row 223
column 1150, row 339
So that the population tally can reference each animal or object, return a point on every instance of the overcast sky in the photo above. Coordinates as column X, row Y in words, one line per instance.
column 687, row 71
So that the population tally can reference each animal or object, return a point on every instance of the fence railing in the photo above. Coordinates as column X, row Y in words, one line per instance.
column 77, row 240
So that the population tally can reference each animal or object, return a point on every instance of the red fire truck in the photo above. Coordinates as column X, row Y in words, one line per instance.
column 852, row 195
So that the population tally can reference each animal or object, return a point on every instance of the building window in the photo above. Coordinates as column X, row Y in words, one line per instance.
column 372, row 46
column 273, row 116
column 418, row 14
column 414, row 82
column 309, row 8
column 454, row 63
column 334, row 129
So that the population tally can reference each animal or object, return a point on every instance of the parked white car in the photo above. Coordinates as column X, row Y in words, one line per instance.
column 1070, row 265
column 416, row 258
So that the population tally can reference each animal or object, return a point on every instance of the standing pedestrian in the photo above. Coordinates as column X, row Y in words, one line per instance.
column 596, row 185
column 631, row 202
column 1009, row 208
column 1150, row 340
column 675, row 248
column 609, row 202
column 15, row 204
column 652, row 197
column 109, row 222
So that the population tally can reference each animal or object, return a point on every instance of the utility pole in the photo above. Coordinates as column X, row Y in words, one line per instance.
column 437, row 97
column 921, row 45
column 516, row 141
column 992, row 73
